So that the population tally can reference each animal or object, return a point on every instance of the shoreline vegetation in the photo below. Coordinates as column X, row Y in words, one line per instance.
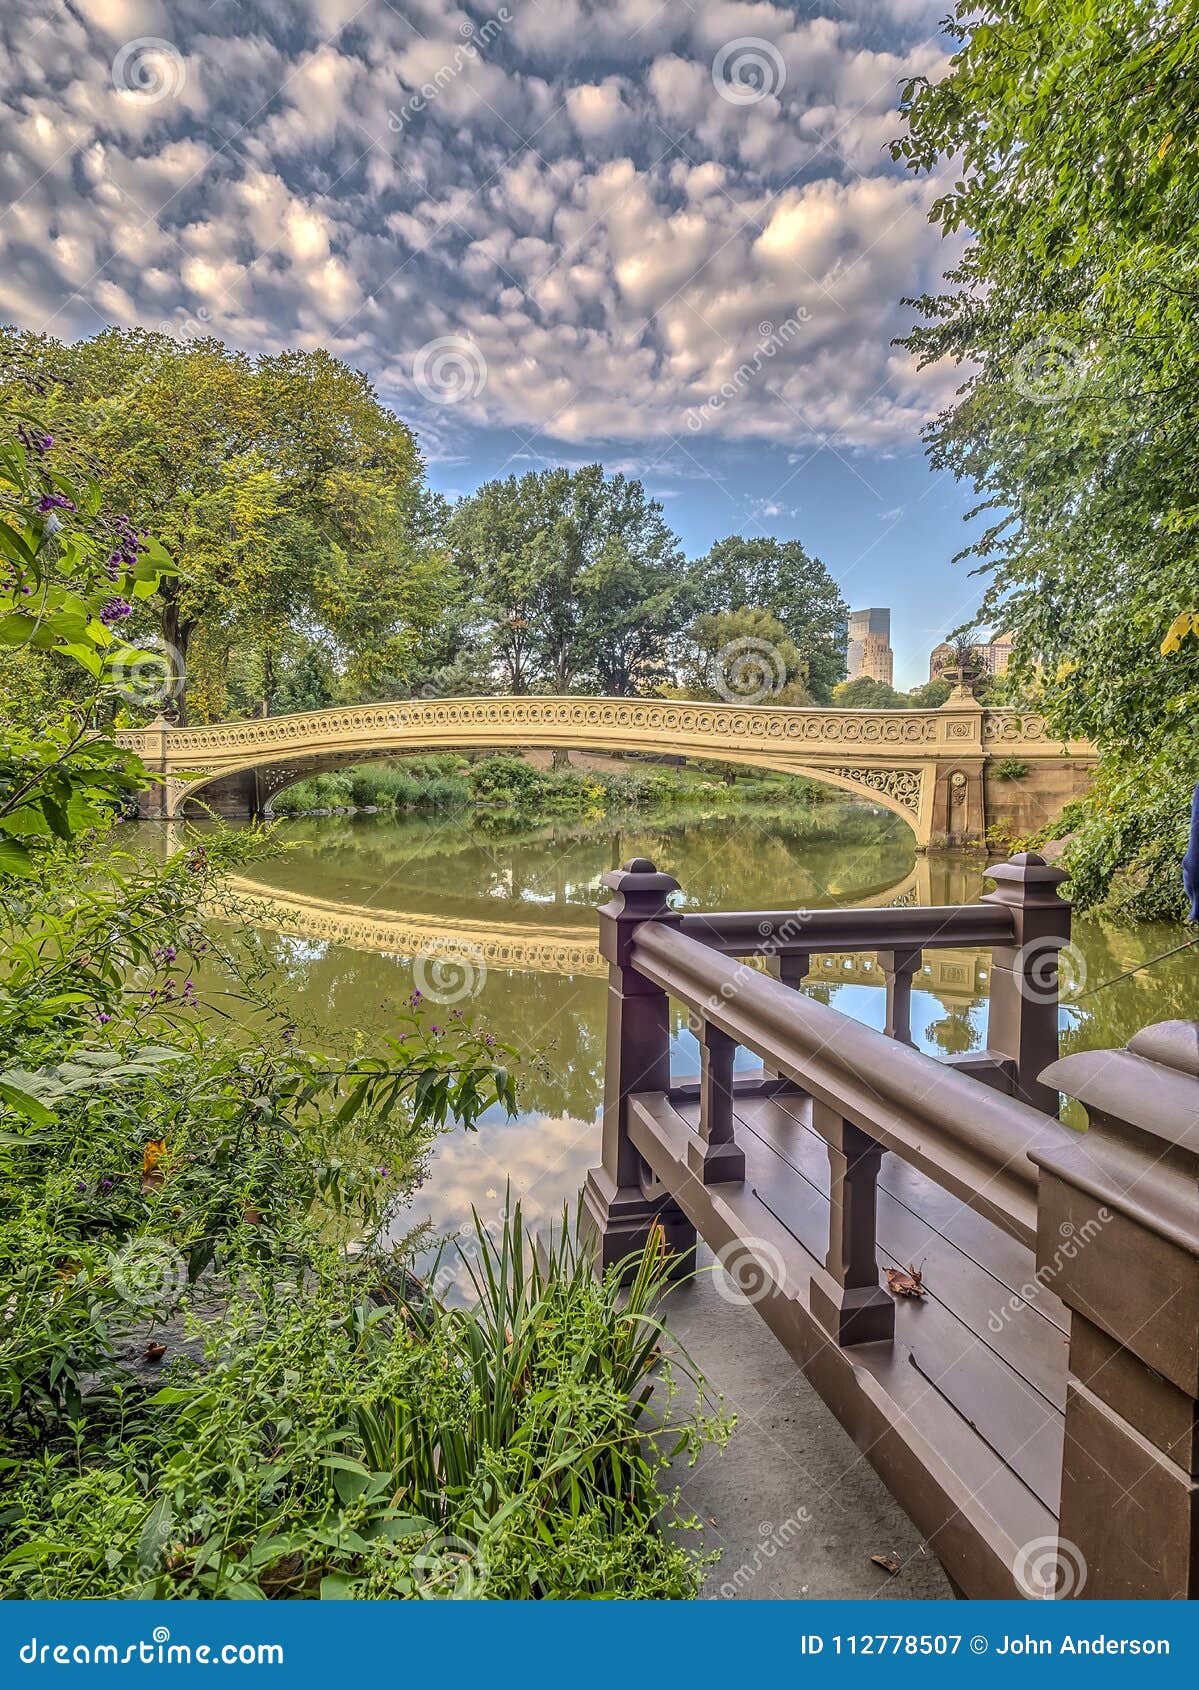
column 508, row 786
column 216, row 1377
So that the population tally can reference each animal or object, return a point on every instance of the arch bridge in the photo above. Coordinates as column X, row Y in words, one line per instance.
column 943, row 771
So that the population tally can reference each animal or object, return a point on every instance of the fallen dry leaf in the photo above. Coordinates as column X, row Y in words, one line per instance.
column 887, row 1562
column 154, row 1352
column 903, row 1282
column 250, row 1214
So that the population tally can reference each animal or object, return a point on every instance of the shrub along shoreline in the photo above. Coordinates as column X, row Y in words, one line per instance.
column 421, row 785
column 215, row 1381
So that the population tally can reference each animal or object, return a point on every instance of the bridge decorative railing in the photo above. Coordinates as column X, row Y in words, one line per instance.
column 768, row 724
column 1029, row 1391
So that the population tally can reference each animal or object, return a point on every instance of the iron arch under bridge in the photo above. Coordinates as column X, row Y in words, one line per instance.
column 934, row 768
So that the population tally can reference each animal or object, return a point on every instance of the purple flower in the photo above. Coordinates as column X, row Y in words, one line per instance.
column 103, row 1019
column 105, row 1185
column 80, row 1186
column 386, row 1172
column 54, row 502
column 116, row 610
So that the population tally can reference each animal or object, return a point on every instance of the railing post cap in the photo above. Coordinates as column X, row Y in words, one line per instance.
column 639, row 875
column 1025, row 878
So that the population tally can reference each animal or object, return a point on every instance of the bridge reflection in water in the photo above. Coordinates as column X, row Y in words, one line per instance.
column 956, row 978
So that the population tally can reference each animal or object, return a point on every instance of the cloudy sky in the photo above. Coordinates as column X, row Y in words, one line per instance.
column 663, row 235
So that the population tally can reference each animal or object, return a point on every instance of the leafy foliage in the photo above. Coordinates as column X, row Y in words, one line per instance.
column 1072, row 132
column 173, row 1193
column 778, row 577
column 578, row 583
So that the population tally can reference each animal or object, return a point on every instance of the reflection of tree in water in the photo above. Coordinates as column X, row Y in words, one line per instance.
column 341, row 998
column 794, row 857
column 1108, row 1017
column 954, row 1033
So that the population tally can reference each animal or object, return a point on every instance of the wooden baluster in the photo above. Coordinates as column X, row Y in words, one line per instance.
column 856, row 1310
column 714, row 1157
column 618, row 1217
column 793, row 971
column 898, row 968
column 793, row 968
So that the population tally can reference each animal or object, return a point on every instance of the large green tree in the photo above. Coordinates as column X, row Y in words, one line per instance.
column 779, row 577
column 280, row 485
column 578, row 582
column 1066, row 136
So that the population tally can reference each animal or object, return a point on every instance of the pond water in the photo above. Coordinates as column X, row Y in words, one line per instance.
column 500, row 921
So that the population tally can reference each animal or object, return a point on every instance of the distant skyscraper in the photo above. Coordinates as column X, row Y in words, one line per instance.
column 869, row 650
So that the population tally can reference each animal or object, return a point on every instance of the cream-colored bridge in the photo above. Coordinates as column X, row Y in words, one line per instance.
column 937, row 769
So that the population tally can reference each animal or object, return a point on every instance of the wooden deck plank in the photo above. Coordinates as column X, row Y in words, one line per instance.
column 956, row 1485
column 994, row 1251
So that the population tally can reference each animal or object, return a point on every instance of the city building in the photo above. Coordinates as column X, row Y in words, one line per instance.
column 869, row 651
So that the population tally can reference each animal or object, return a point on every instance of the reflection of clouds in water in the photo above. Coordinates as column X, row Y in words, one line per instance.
column 544, row 1160
column 299, row 950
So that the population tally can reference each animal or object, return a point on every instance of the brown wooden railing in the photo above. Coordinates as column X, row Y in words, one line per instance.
column 983, row 1172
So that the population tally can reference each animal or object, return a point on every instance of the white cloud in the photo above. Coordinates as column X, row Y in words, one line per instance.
column 564, row 185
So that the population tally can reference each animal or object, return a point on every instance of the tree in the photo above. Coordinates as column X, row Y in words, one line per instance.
column 577, row 580
column 1075, row 316
column 930, row 696
column 779, row 577
column 272, row 482
column 744, row 656
column 865, row 693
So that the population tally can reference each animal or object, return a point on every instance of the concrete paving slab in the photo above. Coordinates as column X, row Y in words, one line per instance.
column 795, row 1509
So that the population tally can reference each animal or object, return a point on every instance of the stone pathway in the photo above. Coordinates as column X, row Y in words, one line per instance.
column 795, row 1509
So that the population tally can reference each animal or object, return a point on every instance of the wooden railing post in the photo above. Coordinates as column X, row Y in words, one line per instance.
column 714, row 1157
column 858, row 1311
column 618, row 1216
column 1023, row 1016
column 1118, row 1241
column 898, row 968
